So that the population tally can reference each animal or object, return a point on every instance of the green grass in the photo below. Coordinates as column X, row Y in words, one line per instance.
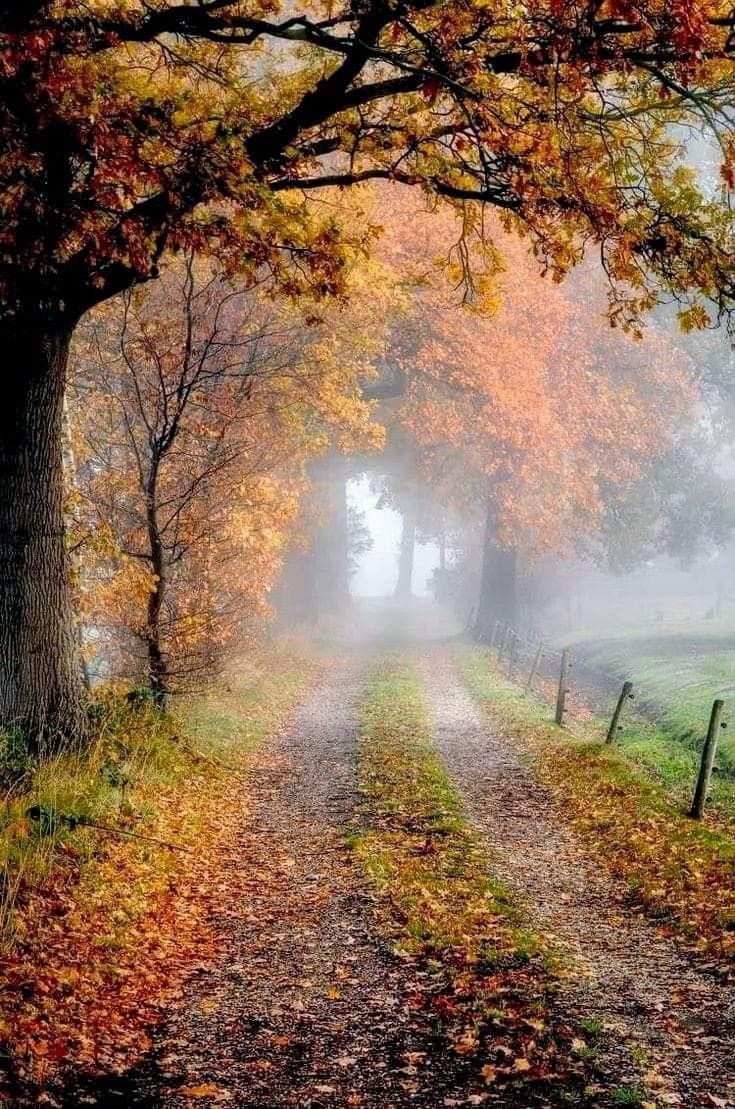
column 231, row 722
column 629, row 1095
column 665, row 743
column 630, row 801
column 676, row 680
column 676, row 677
column 493, row 979
column 644, row 752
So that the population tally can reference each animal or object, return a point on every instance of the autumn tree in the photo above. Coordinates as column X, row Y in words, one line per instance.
column 198, row 405
column 131, row 129
column 528, row 411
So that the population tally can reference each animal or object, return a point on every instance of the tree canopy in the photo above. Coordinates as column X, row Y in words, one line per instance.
column 133, row 129
column 130, row 128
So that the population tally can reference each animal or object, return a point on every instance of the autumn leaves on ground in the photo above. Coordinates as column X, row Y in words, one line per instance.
column 333, row 900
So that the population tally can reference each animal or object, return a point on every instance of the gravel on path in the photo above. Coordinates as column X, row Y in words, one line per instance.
column 310, row 1007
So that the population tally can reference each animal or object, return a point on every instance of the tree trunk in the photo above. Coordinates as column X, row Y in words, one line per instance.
column 405, row 559
column 157, row 668
column 498, row 598
column 69, row 465
column 40, row 685
column 331, row 543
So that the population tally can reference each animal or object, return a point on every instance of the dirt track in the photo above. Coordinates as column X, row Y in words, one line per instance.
column 310, row 1008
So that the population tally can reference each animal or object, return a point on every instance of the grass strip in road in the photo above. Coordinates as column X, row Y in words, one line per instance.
column 490, row 984
column 680, row 872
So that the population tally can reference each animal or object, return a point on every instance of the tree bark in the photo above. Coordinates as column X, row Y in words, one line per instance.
column 404, row 584
column 40, row 685
column 157, row 668
column 498, row 598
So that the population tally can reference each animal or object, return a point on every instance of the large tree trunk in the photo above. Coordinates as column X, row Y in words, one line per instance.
column 498, row 598
column 405, row 558
column 40, row 684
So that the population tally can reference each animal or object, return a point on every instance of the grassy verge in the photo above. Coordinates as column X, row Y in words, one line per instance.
column 100, row 929
column 677, row 676
column 488, row 981
column 681, row 872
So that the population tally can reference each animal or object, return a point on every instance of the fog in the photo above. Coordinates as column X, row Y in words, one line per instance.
column 376, row 574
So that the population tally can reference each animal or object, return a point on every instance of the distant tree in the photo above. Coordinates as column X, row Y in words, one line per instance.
column 524, row 408
column 679, row 506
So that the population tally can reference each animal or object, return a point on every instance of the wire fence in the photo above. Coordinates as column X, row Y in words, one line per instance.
column 590, row 694
column 585, row 696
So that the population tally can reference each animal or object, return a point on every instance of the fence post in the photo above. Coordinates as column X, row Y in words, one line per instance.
column 626, row 694
column 708, row 759
column 534, row 667
column 494, row 636
column 561, row 697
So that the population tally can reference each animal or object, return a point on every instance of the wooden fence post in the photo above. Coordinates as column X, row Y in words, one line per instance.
column 494, row 636
column 708, row 760
column 626, row 694
column 561, row 697
column 534, row 666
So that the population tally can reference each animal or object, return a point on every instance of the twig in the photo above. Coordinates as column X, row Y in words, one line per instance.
column 133, row 835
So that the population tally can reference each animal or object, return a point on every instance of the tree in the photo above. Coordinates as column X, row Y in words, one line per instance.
column 680, row 505
column 198, row 405
column 130, row 129
column 530, row 411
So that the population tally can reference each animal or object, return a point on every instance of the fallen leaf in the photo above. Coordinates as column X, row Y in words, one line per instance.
column 206, row 1089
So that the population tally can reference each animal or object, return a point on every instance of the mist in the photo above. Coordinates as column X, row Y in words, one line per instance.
column 376, row 572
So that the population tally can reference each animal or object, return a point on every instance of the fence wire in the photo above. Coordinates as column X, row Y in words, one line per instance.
column 591, row 693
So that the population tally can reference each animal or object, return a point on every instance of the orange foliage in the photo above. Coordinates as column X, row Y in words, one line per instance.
column 196, row 408
column 525, row 391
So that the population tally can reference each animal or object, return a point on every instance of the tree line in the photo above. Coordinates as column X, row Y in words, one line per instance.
column 211, row 134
